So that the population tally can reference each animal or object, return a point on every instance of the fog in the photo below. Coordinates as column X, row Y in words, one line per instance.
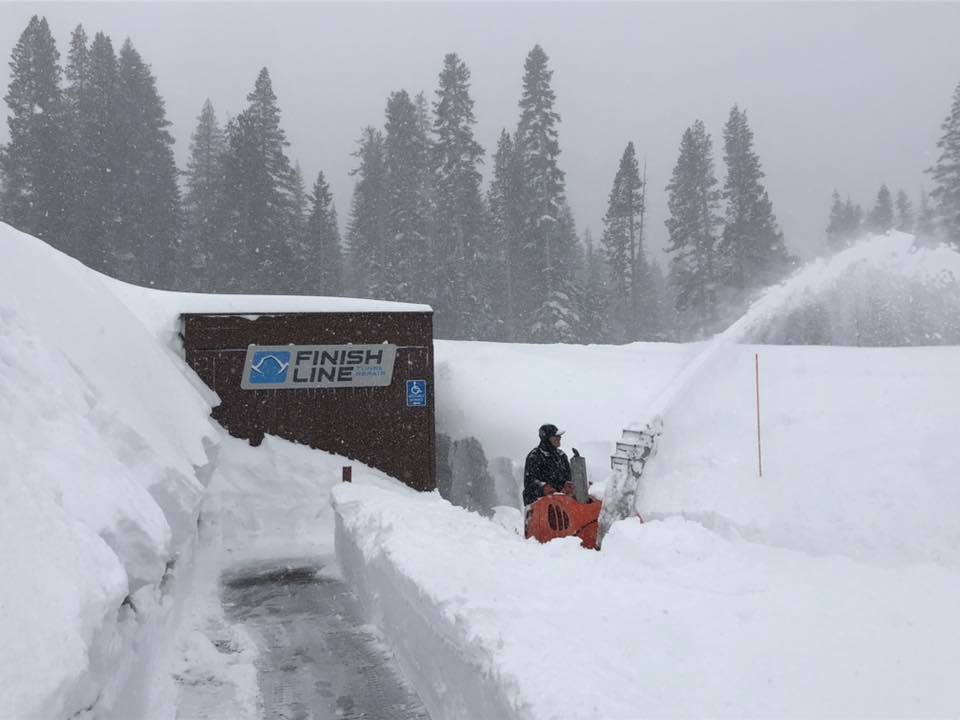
column 844, row 96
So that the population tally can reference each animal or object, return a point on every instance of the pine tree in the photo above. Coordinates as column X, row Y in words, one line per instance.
column 295, row 276
column 946, row 174
column 623, row 248
column 78, row 72
column 323, row 258
column 905, row 219
column 204, row 218
column 406, row 269
column 259, row 192
column 854, row 219
column 881, row 217
column 461, row 256
column 505, row 224
column 845, row 223
column 542, row 300
column 560, row 315
column 95, row 130
column 657, row 312
column 78, row 110
column 596, row 289
column 368, row 218
column 33, row 163
column 692, row 226
column 926, row 220
column 836, row 230
column 751, row 250
column 148, row 196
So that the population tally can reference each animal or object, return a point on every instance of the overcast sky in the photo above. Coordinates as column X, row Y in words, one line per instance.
column 838, row 95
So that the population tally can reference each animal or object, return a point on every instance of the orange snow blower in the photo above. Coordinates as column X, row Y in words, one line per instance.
column 561, row 515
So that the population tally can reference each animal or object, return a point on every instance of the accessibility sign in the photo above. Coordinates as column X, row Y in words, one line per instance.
column 416, row 393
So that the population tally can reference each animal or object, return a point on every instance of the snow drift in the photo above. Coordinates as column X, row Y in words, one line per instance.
column 98, row 492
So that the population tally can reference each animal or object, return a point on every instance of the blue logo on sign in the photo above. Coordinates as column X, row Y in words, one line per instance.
column 416, row 393
column 269, row 367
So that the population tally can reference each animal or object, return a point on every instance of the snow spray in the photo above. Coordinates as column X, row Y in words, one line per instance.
column 637, row 445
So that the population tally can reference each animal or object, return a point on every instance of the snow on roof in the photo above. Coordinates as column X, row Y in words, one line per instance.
column 160, row 310
column 235, row 304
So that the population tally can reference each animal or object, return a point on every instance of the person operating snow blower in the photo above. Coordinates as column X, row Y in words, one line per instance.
column 547, row 469
column 556, row 499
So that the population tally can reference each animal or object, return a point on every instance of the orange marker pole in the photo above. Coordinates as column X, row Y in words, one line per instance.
column 756, row 359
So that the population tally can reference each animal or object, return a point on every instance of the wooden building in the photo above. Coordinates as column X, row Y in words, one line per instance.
column 357, row 381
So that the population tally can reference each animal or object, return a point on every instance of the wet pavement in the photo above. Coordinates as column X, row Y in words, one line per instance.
column 317, row 658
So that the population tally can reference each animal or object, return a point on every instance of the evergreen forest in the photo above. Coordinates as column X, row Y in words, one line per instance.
column 484, row 235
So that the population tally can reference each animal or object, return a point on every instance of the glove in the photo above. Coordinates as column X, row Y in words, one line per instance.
column 568, row 488
column 548, row 489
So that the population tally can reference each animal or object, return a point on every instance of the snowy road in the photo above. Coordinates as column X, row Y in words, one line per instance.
column 317, row 659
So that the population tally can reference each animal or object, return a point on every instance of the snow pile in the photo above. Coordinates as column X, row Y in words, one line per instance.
column 97, row 489
column 858, row 454
column 421, row 595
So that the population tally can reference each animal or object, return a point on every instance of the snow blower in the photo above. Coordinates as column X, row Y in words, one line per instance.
column 561, row 515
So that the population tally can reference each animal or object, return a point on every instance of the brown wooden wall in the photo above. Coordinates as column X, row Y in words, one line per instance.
column 372, row 425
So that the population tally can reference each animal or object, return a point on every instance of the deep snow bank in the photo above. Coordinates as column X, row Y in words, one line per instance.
column 383, row 552
column 672, row 619
column 98, row 493
column 859, row 454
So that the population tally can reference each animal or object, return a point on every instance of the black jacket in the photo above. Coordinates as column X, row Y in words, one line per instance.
column 545, row 464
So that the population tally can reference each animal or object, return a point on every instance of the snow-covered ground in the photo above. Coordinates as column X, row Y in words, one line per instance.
column 826, row 588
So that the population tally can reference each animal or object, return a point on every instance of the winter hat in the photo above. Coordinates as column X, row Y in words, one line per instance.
column 549, row 430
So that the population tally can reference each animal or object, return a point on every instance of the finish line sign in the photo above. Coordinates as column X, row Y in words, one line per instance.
column 289, row 367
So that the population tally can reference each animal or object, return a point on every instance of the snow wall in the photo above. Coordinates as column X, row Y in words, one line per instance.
column 454, row 674
column 104, row 437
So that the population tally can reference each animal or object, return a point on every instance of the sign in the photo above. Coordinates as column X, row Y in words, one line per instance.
column 292, row 367
column 416, row 393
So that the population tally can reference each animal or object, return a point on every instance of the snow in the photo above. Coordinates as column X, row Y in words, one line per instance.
column 106, row 440
column 161, row 309
column 826, row 588
column 98, row 491
column 265, row 504
column 502, row 393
